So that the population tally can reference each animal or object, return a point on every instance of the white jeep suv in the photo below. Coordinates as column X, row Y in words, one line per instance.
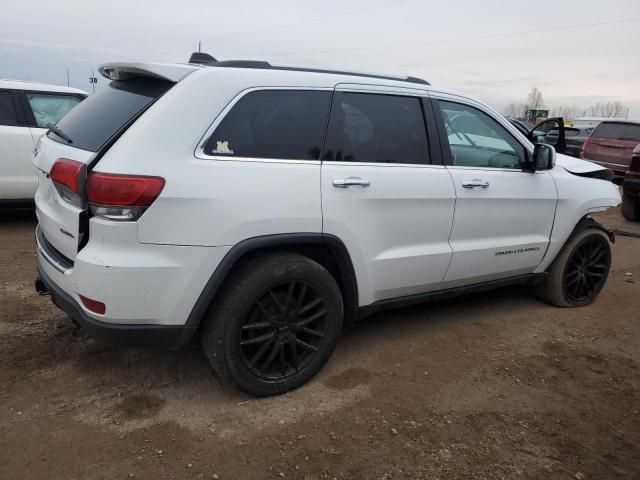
column 268, row 207
column 26, row 110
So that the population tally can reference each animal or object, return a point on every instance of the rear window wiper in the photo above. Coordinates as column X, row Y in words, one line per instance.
column 60, row 133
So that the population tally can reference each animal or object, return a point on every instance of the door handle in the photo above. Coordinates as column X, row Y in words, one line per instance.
column 475, row 183
column 351, row 182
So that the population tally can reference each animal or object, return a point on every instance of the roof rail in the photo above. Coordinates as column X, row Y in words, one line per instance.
column 259, row 64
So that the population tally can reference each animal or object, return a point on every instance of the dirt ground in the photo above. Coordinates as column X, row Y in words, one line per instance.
column 495, row 385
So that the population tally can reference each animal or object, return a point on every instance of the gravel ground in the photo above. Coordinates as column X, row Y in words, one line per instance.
column 494, row 385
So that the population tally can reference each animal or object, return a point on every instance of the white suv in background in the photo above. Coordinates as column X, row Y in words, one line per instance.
column 267, row 207
column 26, row 108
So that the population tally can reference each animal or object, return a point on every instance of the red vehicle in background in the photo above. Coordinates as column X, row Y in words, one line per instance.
column 631, row 188
column 611, row 144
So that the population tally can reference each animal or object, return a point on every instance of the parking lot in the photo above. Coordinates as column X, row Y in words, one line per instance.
column 495, row 385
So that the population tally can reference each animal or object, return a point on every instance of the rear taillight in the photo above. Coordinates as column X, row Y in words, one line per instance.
column 68, row 177
column 584, row 147
column 121, row 197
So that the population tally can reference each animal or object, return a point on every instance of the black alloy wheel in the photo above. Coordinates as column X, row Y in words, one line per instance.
column 283, row 331
column 587, row 269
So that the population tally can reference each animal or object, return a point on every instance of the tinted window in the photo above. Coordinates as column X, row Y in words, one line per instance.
column 48, row 108
column 568, row 132
column 477, row 140
column 632, row 133
column 8, row 114
column 284, row 124
column 376, row 128
column 610, row 130
column 94, row 121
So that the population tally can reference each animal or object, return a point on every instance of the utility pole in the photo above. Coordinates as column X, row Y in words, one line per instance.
column 67, row 76
column 199, row 45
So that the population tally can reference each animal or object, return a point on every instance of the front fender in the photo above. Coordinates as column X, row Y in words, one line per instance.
column 578, row 197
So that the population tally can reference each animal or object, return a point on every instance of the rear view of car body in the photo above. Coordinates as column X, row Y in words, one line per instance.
column 99, row 267
column 611, row 145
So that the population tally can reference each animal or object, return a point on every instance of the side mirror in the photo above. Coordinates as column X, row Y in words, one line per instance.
column 543, row 158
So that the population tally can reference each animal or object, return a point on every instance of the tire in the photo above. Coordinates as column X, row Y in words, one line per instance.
column 630, row 208
column 274, row 324
column 577, row 275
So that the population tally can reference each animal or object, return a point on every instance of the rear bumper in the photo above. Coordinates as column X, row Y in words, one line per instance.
column 149, row 290
column 142, row 336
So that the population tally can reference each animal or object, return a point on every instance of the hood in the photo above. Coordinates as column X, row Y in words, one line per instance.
column 575, row 165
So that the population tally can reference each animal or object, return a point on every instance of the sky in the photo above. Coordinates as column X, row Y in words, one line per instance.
column 575, row 52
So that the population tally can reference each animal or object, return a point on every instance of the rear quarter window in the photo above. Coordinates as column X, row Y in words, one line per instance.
column 632, row 133
column 102, row 115
column 49, row 108
column 278, row 124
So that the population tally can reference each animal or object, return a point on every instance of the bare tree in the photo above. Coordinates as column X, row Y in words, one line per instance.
column 515, row 110
column 535, row 100
column 566, row 111
column 608, row 110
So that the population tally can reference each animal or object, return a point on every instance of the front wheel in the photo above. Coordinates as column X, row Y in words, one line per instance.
column 630, row 208
column 579, row 272
column 274, row 325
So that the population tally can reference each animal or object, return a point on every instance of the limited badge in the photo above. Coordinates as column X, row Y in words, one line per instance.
column 223, row 148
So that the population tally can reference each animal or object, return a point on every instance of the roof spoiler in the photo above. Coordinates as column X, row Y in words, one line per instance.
column 124, row 70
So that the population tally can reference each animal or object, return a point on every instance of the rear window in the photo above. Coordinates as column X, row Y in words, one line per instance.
column 93, row 122
column 618, row 131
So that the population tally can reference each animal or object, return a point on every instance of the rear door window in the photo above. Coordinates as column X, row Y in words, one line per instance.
column 8, row 114
column 278, row 124
column 376, row 128
column 98, row 118
column 49, row 108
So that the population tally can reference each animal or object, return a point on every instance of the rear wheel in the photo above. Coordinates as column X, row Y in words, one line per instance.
column 274, row 325
column 579, row 272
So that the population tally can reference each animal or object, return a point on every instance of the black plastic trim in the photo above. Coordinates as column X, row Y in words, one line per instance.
column 141, row 336
column 588, row 222
column 603, row 174
column 51, row 251
column 435, row 148
column 350, row 293
column 259, row 64
column 528, row 279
